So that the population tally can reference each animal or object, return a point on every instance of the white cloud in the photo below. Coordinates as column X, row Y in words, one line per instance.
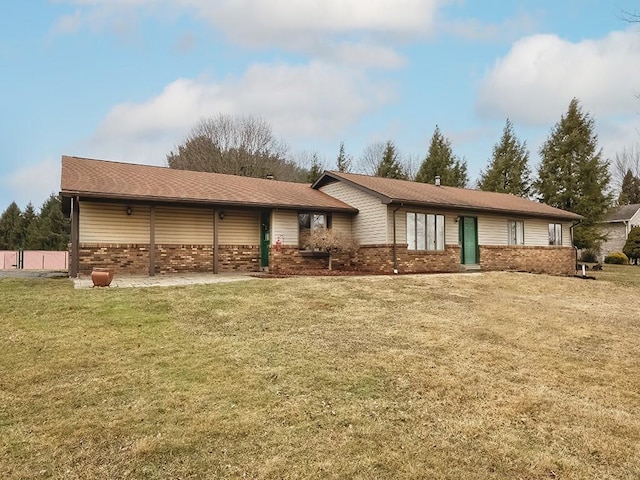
column 315, row 100
column 33, row 183
column 535, row 81
column 264, row 20
column 360, row 31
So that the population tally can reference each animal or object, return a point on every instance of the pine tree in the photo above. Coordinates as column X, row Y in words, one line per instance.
column 344, row 161
column 29, row 228
column 630, row 190
column 572, row 174
column 316, row 169
column 53, row 228
column 632, row 245
column 389, row 166
column 440, row 161
column 10, row 228
column 508, row 170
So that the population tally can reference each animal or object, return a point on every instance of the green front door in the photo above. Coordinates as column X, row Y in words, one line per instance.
column 469, row 240
column 265, row 238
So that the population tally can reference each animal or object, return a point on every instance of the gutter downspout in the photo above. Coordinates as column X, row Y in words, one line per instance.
column 395, row 248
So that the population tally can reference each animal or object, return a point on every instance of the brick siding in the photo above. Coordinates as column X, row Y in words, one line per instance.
column 551, row 260
column 239, row 258
column 130, row 258
column 134, row 259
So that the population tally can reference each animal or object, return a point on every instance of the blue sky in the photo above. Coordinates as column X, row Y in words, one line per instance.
column 127, row 79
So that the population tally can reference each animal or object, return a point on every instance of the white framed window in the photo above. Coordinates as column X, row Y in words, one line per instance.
column 555, row 234
column 425, row 231
column 515, row 232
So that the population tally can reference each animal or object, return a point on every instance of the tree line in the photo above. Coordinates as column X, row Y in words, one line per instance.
column 46, row 229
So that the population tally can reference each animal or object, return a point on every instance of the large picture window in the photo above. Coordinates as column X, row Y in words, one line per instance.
column 555, row 234
column 425, row 231
column 516, row 232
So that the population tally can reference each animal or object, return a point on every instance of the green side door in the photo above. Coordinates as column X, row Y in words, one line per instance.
column 265, row 238
column 469, row 239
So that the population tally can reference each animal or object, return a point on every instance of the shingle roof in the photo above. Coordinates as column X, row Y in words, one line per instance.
column 415, row 193
column 104, row 179
column 623, row 213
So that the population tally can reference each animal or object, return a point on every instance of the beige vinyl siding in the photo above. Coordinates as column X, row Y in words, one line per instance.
column 493, row 230
column 109, row 223
column 284, row 225
column 239, row 227
column 184, row 226
column 341, row 222
column 369, row 226
column 536, row 232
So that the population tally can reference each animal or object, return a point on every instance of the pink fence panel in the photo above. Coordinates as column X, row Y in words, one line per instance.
column 35, row 260
column 8, row 259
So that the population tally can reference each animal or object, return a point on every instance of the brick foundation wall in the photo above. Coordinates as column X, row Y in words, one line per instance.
column 130, row 258
column 238, row 258
column 446, row 261
column 183, row 258
column 291, row 259
column 551, row 260
column 379, row 259
column 133, row 259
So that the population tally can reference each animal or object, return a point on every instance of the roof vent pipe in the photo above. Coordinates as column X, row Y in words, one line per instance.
column 437, row 180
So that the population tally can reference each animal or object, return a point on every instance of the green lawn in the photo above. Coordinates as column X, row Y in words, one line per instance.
column 456, row 376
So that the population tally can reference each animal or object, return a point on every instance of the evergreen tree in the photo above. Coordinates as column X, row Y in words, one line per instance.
column 572, row 174
column 29, row 228
column 440, row 161
column 53, row 228
column 630, row 190
column 316, row 169
column 632, row 246
column 508, row 170
column 344, row 161
column 389, row 166
column 10, row 228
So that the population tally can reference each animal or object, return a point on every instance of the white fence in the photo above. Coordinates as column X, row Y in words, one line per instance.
column 34, row 260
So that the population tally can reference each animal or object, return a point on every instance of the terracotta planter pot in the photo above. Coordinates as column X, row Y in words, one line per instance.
column 101, row 277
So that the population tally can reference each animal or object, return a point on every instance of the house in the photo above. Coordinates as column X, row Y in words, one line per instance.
column 145, row 219
column 617, row 225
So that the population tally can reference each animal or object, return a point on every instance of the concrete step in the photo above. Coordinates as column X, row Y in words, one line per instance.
column 475, row 267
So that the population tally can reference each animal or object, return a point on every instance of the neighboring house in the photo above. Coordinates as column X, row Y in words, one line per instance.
column 617, row 225
column 144, row 219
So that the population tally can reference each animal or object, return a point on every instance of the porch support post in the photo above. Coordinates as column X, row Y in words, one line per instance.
column 75, row 237
column 215, row 240
column 152, row 240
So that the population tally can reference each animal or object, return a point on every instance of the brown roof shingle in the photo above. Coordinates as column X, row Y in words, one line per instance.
column 623, row 213
column 104, row 179
column 415, row 193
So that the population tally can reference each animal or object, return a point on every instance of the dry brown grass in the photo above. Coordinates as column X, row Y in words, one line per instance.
column 455, row 376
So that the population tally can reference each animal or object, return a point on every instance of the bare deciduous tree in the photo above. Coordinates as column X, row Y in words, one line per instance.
column 331, row 241
column 235, row 145
column 371, row 157
column 626, row 160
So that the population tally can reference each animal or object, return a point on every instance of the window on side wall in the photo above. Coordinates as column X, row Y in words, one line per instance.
column 309, row 222
column 425, row 231
column 516, row 232
column 555, row 234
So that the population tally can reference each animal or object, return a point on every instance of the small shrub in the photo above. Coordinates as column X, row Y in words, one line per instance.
column 617, row 258
column 588, row 256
